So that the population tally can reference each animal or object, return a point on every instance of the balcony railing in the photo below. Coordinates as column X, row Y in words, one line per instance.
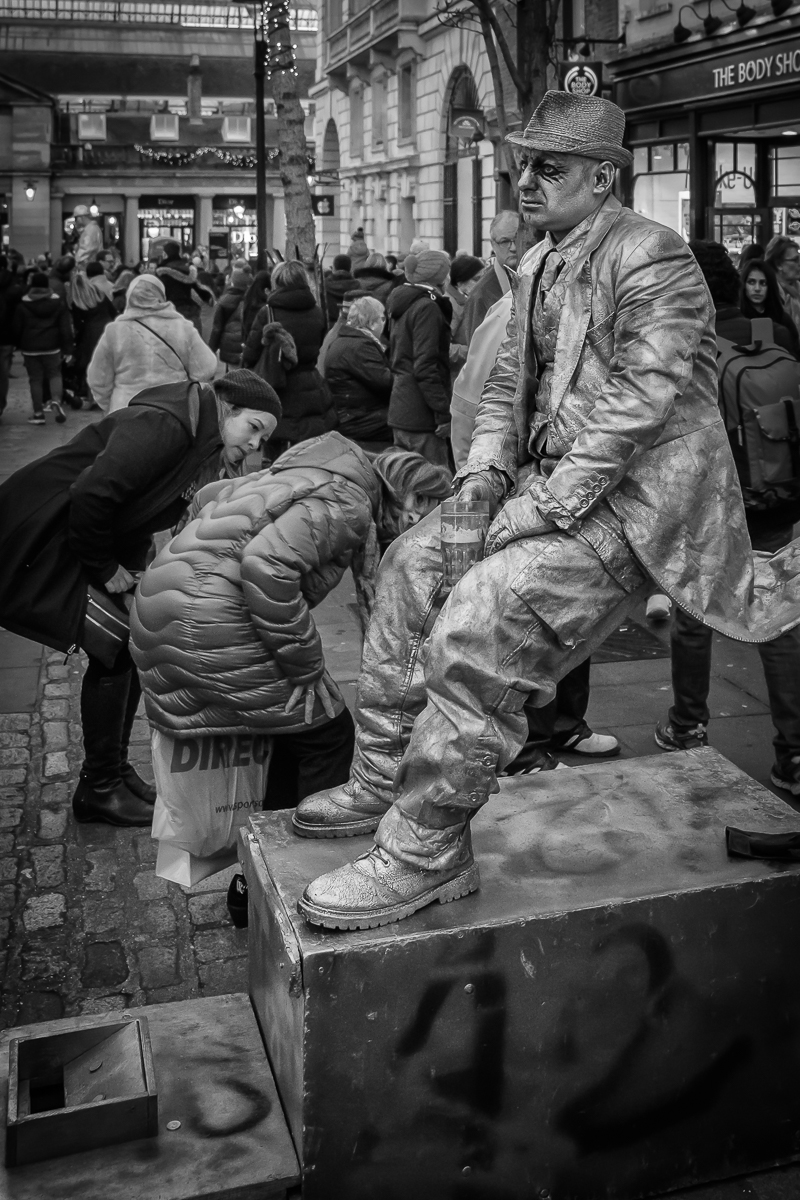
column 104, row 158
column 228, row 16
column 374, row 24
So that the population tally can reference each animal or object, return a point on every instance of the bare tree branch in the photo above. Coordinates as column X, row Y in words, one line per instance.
column 488, row 14
column 499, row 99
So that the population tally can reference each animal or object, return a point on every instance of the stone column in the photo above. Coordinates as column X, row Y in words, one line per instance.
column 131, row 245
column 205, row 219
column 56, row 224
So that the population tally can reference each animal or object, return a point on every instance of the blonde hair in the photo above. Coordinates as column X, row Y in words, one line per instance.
column 366, row 312
column 289, row 275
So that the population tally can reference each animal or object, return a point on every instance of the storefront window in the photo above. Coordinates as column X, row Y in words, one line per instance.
column 661, row 185
column 785, row 163
column 734, row 173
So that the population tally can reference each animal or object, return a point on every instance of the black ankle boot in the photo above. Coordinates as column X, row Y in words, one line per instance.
column 237, row 901
column 134, row 783
column 113, row 805
column 101, row 794
column 128, row 773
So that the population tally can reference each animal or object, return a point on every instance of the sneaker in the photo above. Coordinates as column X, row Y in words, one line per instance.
column 593, row 745
column 788, row 783
column 37, row 419
column 344, row 811
column 378, row 889
column 531, row 761
column 237, row 901
column 668, row 738
column 658, row 608
column 56, row 408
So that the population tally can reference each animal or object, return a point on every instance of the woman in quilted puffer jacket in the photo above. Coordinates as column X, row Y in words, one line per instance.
column 222, row 631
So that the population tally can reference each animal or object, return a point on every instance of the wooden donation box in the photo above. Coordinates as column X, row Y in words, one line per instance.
column 82, row 1121
column 615, row 1014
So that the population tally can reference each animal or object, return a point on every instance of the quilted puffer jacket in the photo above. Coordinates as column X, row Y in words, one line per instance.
column 221, row 628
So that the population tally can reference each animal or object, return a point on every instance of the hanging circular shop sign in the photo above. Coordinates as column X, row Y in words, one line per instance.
column 467, row 126
column 583, row 79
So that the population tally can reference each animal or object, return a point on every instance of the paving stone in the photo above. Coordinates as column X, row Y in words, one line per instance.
column 56, row 764
column 58, row 671
column 44, row 912
column 105, row 965
column 54, row 709
column 106, row 1004
column 52, row 824
column 15, row 721
column 10, row 817
column 209, row 909
column 149, row 886
column 62, row 688
column 158, row 920
column 11, row 775
column 103, row 871
column 8, row 896
column 55, row 735
column 44, row 964
column 8, row 870
column 6, row 843
column 214, row 945
column 158, row 966
column 166, row 995
column 56, row 794
column 14, row 739
column 101, row 915
column 5, row 927
column 218, row 979
column 40, row 1006
column 48, row 866
column 146, row 850
column 14, row 756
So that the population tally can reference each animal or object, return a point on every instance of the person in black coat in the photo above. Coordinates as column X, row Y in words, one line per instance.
column 419, row 325
column 226, row 331
column 308, row 408
column 43, row 331
column 358, row 374
column 10, row 296
column 337, row 283
column 91, row 311
column 82, row 517
column 376, row 278
column 182, row 285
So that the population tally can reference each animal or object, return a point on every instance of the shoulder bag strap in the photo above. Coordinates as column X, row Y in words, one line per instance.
column 149, row 329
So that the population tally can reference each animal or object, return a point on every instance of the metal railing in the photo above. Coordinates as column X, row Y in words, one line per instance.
column 228, row 16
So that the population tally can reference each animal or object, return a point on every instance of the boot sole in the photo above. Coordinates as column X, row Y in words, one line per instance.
column 349, row 829
column 91, row 818
column 591, row 753
column 461, row 885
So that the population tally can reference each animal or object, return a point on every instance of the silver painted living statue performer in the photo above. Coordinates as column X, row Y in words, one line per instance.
column 600, row 444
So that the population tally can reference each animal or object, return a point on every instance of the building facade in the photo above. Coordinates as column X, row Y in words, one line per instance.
column 406, row 123
column 712, row 99
column 142, row 112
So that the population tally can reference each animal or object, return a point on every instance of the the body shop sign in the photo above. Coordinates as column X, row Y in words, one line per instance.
column 730, row 74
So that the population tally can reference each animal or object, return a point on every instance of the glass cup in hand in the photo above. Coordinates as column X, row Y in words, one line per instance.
column 465, row 524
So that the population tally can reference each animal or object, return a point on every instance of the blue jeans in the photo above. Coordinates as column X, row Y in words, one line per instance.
column 691, row 673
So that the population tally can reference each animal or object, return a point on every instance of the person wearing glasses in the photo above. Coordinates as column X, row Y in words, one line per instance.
column 495, row 281
column 783, row 256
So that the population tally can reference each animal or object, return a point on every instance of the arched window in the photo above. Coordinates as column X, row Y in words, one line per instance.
column 463, row 184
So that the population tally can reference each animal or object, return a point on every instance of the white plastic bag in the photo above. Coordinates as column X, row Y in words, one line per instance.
column 207, row 788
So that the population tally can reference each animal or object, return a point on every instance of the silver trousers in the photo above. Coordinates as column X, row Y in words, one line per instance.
column 444, row 681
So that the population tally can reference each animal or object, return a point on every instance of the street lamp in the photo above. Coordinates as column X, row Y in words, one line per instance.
column 744, row 13
column 94, row 210
column 710, row 24
column 30, row 190
column 259, row 71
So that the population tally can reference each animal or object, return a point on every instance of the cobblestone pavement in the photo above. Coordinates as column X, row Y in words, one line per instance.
column 88, row 926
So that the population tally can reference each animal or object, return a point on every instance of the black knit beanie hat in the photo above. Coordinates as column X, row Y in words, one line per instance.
column 245, row 389
column 464, row 268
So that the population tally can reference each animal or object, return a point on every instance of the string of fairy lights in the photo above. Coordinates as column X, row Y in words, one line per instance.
column 181, row 158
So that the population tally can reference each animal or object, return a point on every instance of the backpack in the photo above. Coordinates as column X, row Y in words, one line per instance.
column 759, row 395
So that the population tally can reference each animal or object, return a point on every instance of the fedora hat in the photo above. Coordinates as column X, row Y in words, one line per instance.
column 584, row 125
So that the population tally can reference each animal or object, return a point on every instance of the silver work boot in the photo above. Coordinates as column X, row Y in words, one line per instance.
column 377, row 889
column 344, row 811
